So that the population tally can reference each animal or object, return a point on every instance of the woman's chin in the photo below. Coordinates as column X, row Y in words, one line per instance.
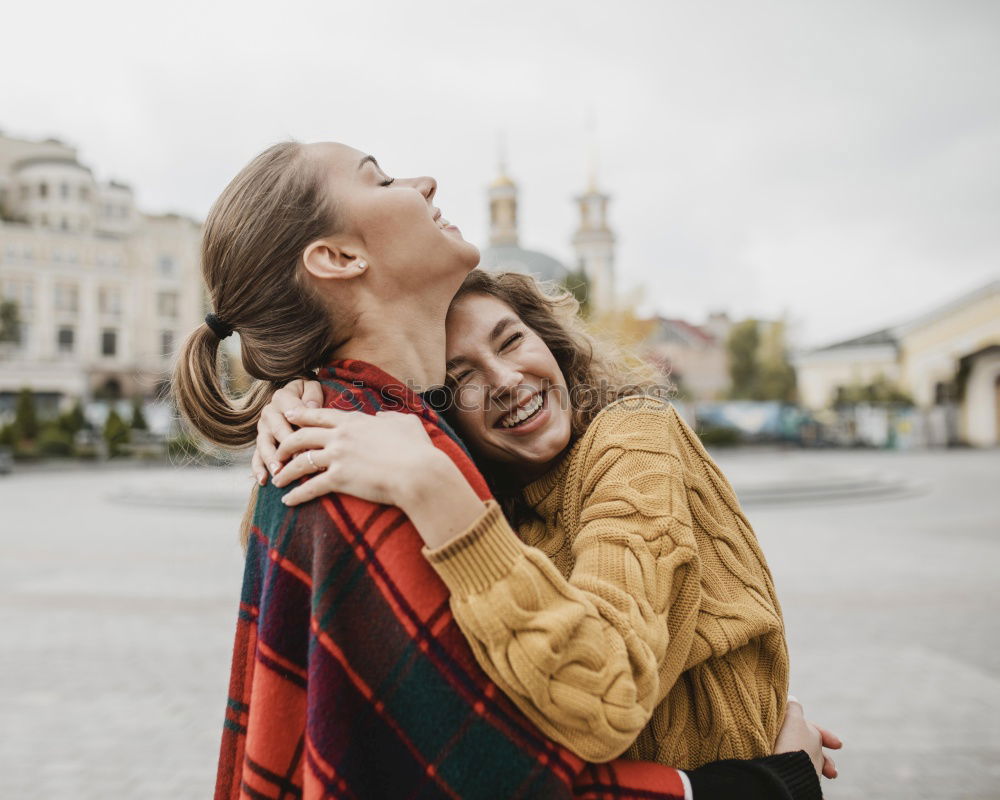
column 472, row 256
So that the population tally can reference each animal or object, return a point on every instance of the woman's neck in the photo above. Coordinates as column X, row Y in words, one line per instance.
column 408, row 344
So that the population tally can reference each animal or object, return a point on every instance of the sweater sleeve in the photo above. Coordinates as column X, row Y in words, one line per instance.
column 588, row 658
column 789, row 776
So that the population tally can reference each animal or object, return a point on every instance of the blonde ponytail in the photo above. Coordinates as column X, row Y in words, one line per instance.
column 251, row 254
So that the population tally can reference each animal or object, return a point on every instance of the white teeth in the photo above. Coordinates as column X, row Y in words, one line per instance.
column 521, row 414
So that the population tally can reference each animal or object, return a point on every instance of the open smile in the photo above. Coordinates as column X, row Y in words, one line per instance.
column 526, row 416
column 444, row 224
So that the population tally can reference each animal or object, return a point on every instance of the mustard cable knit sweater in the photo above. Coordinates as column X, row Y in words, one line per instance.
column 638, row 613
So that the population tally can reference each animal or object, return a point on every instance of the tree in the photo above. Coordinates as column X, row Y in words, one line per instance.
column 74, row 419
column 578, row 284
column 759, row 368
column 138, row 418
column 116, row 433
column 25, row 416
column 743, row 343
column 10, row 322
column 776, row 379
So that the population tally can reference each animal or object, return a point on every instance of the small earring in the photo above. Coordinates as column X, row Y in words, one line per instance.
column 362, row 264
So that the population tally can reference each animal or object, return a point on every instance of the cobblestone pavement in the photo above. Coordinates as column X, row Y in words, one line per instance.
column 118, row 592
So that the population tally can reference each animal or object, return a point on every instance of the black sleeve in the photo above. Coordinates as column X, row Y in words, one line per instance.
column 789, row 776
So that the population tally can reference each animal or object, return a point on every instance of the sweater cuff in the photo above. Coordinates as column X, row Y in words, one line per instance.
column 789, row 776
column 480, row 556
column 797, row 772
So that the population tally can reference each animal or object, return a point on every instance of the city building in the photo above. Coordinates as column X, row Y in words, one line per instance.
column 947, row 360
column 594, row 245
column 505, row 251
column 104, row 293
column 593, row 242
column 694, row 356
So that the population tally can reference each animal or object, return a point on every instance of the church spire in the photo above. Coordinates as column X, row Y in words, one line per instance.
column 593, row 241
column 503, row 203
column 591, row 151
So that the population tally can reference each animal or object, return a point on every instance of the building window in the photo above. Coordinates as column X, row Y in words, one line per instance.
column 64, row 339
column 67, row 297
column 166, row 344
column 64, row 191
column 109, row 300
column 25, row 192
column 64, row 223
column 84, row 194
column 109, row 342
column 166, row 304
column 167, row 267
column 22, row 292
column 43, row 190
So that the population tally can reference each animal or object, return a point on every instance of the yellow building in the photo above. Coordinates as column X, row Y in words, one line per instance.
column 947, row 360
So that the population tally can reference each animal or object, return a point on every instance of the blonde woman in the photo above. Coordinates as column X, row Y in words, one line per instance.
column 349, row 677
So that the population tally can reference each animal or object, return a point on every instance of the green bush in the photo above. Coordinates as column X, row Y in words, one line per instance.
column 73, row 420
column 9, row 435
column 116, row 434
column 720, row 436
column 25, row 416
column 53, row 441
column 138, row 418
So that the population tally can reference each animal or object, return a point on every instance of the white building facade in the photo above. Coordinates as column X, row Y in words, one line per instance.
column 104, row 293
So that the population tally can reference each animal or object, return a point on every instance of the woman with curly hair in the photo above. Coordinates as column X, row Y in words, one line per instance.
column 623, row 601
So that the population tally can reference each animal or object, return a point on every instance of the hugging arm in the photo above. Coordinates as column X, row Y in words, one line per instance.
column 589, row 657
column 778, row 777
column 586, row 659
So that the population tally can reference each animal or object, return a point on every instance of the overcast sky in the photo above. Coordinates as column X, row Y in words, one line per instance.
column 838, row 162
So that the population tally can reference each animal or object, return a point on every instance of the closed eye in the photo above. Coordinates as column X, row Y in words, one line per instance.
column 511, row 340
column 387, row 182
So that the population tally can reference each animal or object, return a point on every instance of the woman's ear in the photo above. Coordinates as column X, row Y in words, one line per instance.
column 324, row 259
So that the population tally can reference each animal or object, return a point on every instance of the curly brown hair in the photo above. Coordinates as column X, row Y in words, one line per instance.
column 597, row 371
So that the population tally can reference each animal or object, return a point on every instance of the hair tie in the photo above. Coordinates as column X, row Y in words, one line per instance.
column 219, row 328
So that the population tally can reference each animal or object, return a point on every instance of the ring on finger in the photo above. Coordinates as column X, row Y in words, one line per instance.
column 309, row 456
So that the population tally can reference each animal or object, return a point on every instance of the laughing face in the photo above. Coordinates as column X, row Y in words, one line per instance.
column 511, row 400
column 392, row 224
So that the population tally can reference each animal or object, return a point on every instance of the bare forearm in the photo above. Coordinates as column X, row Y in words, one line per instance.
column 439, row 501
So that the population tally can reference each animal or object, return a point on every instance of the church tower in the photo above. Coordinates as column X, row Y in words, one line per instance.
column 594, row 244
column 503, row 207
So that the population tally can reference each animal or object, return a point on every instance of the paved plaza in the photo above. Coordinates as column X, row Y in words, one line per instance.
column 118, row 592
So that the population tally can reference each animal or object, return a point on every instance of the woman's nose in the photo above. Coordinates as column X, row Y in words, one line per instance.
column 427, row 186
column 505, row 379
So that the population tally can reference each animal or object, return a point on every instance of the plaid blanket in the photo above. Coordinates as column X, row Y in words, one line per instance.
column 350, row 678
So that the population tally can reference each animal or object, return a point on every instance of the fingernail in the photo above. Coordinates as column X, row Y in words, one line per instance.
column 312, row 404
column 284, row 499
column 273, row 466
column 792, row 698
column 291, row 414
column 262, row 478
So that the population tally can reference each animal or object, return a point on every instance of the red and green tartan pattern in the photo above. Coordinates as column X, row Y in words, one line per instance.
column 350, row 678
